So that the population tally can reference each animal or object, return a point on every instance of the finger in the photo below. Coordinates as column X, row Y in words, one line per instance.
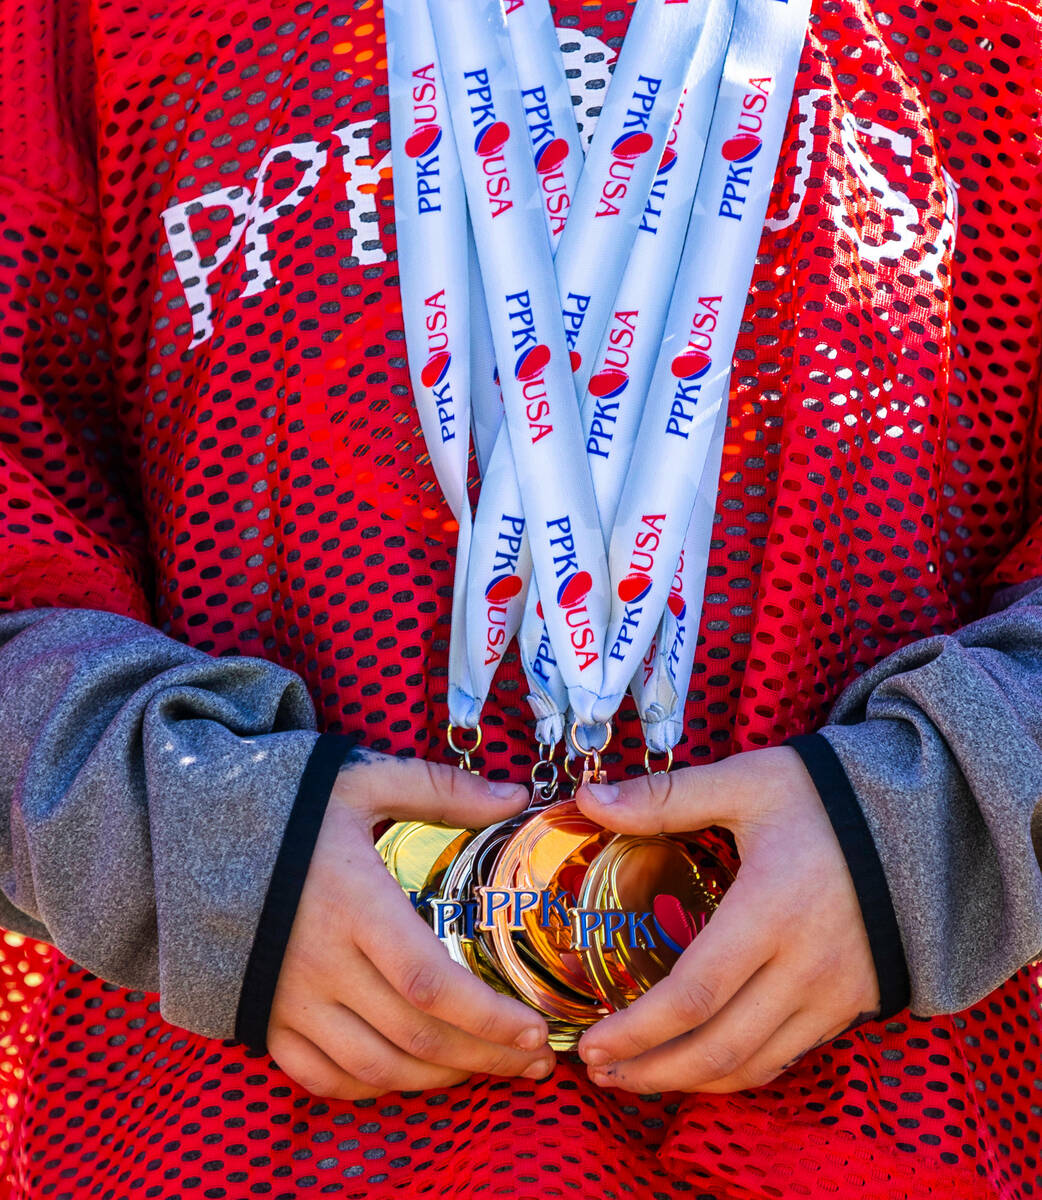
column 670, row 802
column 428, row 1039
column 418, row 968
column 414, row 789
column 735, row 789
column 737, row 941
column 351, row 1063
column 803, row 1032
column 363, row 1053
column 718, row 1049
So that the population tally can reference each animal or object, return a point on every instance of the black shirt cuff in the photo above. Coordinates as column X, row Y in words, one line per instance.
column 330, row 753
column 866, row 870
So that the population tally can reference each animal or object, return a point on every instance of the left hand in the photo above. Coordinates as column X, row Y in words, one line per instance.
column 783, row 964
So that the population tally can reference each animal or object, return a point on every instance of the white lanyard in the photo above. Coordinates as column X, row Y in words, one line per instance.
column 625, row 359
column 627, row 153
column 539, row 402
column 500, row 568
column 547, row 103
column 661, row 683
column 535, row 482
column 692, row 375
column 431, row 224
column 486, row 396
column 620, row 168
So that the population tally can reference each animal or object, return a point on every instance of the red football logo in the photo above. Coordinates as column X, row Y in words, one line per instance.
column 551, row 156
column 606, row 385
column 741, row 148
column 503, row 588
column 674, row 920
column 632, row 145
column 423, row 141
column 574, row 590
column 492, row 139
column 434, row 369
column 634, row 587
column 532, row 363
column 691, row 364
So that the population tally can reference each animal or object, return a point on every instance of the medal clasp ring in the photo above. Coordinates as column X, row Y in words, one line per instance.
column 464, row 751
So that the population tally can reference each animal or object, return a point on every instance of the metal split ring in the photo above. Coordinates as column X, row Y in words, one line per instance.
column 464, row 752
column 547, row 785
column 587, row 751
column 668, row 754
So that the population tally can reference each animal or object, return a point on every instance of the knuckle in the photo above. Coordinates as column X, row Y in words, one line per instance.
column 323, row 1086
column 661, row 789
column 422, row 985
column 501, row 1062
column 374, row 1073
column 300, row 1067
column 721, row 1061
column 694, row 1001
column 431, row 776
column 751, row 1078
column 632, row 1043
column 312, row 1079
column 424, row 1042
column 485, row 1023
column 442, row 780
column 825, row 962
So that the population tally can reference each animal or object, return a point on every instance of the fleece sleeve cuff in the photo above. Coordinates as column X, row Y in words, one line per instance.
column 866, row 869
column 287, row 883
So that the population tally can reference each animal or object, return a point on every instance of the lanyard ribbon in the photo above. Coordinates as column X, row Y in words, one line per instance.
column 691, row 380
column 614, row 399
column 628, row 156
column 541, row 413
column 560, row 473
column 431, row 225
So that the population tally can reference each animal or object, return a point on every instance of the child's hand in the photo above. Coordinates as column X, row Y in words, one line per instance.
column 783, row 965
column 368, row 1000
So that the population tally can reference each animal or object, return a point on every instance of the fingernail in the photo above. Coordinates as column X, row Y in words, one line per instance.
column 596, row 1058
column 531, row 1039
column 602, row 1079
column 540, row 1069
column 504, row 790
column 604, row 793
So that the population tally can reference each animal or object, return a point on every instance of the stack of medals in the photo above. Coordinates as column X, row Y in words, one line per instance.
column 609, row 293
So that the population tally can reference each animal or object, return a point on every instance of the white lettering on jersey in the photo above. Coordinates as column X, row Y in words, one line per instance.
column 198, row 259
column 898, row 231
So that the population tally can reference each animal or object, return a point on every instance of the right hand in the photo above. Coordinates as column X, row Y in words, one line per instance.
column 368, row 1000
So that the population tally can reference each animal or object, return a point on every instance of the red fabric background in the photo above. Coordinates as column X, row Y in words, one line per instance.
column 265, row 491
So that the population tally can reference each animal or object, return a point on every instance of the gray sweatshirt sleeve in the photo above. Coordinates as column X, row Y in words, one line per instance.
column 940, row 748
column 145, row 789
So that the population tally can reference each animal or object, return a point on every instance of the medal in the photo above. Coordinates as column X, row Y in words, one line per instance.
column 419, row 854
column 468, row 945
column 667, row 888
column 545, row 861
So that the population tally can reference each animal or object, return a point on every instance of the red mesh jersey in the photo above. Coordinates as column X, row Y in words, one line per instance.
column 205, row 422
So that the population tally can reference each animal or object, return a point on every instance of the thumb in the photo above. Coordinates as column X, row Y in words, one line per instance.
column 671, row 802
column 413, row 789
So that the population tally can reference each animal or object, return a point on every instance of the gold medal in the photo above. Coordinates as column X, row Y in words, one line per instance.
column 656, row 895
column 418, row 855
